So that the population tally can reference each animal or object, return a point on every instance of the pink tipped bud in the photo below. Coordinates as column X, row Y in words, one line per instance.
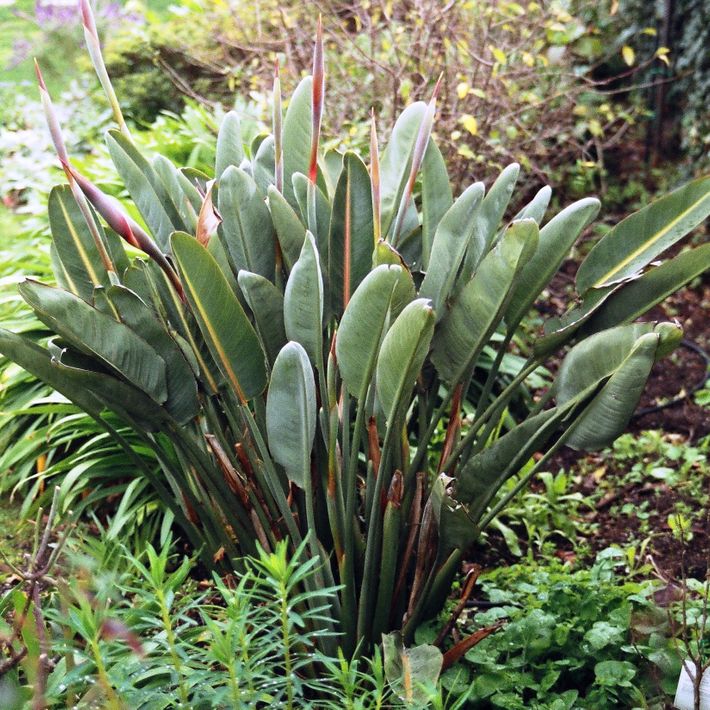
column 55, row 130
column 124, row 226
column 318, row 97
column 40, row 78
column 87, row 17
column 437, row 86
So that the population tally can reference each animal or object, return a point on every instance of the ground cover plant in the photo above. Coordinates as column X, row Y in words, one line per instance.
column 563, row 647
column 304, row 325
column 127, row 624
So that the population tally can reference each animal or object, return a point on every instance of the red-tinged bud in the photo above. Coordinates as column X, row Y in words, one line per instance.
column 40, row 78
column 124, row 226
column 93, row 44
column 318, row 97
column 55, row 130
column 87, row 17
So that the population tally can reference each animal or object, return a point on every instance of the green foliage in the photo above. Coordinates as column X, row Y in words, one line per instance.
column 543, row 517
column 133, row 629
column 324, row 438
column 564, row 646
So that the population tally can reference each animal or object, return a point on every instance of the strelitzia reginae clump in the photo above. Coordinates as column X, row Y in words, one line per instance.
column 303, row 329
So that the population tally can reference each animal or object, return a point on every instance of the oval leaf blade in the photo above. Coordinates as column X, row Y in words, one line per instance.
column 437, row 197
column 89, row 330
column 230, row 150
column 456, row 228
column 556, row 239
column 351, row 232
column 479, row 306
column 267, row 304
column 297, row 131
column 637, row 297
column 362, row 326
column 246, row 229
column 75, row 246
column 303, row 302
column 609, row 412
column 291, row 412
column 402, row 355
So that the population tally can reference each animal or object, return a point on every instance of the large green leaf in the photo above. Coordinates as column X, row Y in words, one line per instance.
column 642, row 236
column 297, row 131
column 148, row 191
column 291, row 412
column 609, row 412
column 113, row 343
column 396, row 161
column 402, row 355
column 362, row 327
column 230, row 150
column 556, row 239
column 478, row 308
column 182, row 400
column 38, row 362
column 246, row 229
column 489, row 217
column 91, row 391
column 267, row 304
column 225, row 327
column 290, row 230
column 437, row 197
column 456, row 229
column 75, row 245
column 79, row 373
column 635, row 298
column 303, row 302
column 333, row 164
column 351, row 232
column 262, row 166
column 595, row 358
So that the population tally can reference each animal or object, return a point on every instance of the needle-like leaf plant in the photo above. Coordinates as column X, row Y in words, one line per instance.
column 304, row 330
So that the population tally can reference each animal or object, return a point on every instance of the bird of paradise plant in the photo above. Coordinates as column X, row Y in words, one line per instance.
column 303, row 325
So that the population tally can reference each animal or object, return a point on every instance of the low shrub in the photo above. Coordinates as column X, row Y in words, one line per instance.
column 564, row 646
